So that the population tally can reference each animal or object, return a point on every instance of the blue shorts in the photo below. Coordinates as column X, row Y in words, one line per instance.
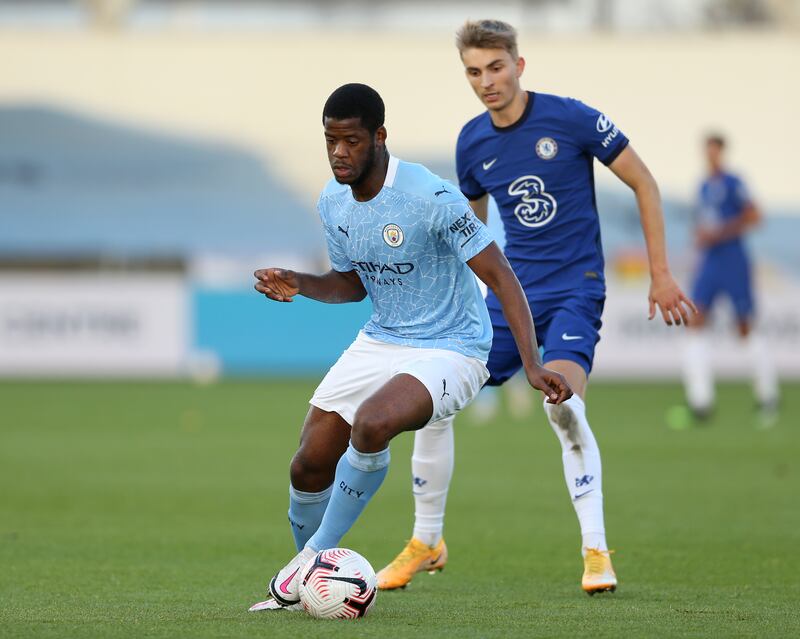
column 729, row 276
column 567, row 327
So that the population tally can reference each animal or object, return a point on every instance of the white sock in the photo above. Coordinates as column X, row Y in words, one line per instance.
column 698, row 378
column 485, row 406
column 582, row 468
column 432, row 469
column 520, row 396
column 765, row 379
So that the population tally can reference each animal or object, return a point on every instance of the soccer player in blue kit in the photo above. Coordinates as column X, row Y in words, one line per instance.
column 533, row 153
column 398, row 233
column 725, row 213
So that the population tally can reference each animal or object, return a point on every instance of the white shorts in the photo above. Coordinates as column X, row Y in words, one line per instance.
column 452, row 379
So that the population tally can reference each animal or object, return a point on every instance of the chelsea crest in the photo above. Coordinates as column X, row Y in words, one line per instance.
column 546, row 148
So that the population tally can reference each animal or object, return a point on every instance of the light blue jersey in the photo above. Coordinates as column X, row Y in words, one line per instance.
column 410, row 244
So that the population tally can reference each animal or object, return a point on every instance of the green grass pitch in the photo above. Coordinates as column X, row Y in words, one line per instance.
column 159, row 510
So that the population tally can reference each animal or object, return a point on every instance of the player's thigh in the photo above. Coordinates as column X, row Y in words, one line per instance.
column 573, row 333
column 739, row 288
column 707, row 285
column 452, row 380
column 504, row 360
column 361, row 370
column 401, row 404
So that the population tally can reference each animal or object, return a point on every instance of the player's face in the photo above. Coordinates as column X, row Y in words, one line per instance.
column 352, row 149
column 714, row 155
column 494, row 76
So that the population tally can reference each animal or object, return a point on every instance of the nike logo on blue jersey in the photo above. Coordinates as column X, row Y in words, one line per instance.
column 569, row 338
column 582, row 494
column 489, row 165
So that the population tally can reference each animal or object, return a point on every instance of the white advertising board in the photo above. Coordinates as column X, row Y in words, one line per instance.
column 633, row 347
column 93, row 324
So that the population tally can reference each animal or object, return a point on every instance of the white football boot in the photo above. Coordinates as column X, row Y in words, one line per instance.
column 285, row 586
column 271, row 604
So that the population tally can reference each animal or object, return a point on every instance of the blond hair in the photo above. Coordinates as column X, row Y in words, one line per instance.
column 487, row 34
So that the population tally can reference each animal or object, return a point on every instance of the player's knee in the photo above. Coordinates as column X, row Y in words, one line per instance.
column 311, row 473
column 372, row 430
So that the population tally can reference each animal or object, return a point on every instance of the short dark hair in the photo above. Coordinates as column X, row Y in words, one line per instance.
column 716, row 138
column 356, row 101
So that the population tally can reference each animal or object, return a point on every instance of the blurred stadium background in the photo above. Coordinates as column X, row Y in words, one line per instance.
column 154, row 153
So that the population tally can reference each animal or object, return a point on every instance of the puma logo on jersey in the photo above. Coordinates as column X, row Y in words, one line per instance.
column 444, row 190
column 345, row 231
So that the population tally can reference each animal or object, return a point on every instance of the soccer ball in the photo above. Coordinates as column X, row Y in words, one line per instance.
column 338, row 584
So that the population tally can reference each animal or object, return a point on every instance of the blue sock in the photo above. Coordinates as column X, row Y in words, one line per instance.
column 358, row 477
column 305, row 513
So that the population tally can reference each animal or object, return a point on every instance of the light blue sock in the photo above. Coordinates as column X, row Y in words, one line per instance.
column 358, row 477
column 305, row 513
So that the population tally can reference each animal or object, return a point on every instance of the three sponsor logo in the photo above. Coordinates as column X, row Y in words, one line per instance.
column 537, row 207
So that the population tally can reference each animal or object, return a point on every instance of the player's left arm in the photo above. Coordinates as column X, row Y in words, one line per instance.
column 665, row 294
column 493, row 269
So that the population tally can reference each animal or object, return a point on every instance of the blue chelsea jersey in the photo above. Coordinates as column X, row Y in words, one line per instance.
column 410, row 244
column 539, row 171
column 722, row 197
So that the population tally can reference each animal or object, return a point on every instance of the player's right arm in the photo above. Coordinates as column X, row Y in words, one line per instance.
column 476, row 195
column 481, row 208
column 339, row 285
column 333, row 287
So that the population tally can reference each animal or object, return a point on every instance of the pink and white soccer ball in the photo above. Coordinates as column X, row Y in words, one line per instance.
column 338, row 584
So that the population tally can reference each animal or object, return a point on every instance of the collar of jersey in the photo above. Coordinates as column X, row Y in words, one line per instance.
column 522, row 118
column 391, row 174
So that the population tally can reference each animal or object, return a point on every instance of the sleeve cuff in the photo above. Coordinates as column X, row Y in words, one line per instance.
column 615, row 153
column 472, row 196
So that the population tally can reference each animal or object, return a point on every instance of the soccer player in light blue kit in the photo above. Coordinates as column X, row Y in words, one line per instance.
column 534, row 154
column 409, row 240
column 725, row 213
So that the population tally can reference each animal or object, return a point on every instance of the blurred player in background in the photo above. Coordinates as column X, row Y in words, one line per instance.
column 725, row 214
column 398, row 233
column 534, row 154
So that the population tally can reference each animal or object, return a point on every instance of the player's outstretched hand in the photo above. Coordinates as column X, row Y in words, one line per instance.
column 552, row 384
column 277, row 284
column 675, row 307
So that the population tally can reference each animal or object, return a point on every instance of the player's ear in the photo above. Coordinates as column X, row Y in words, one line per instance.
column 380, row 136
column 520, row 65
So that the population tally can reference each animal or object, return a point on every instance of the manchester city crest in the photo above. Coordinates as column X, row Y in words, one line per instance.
column 393, row 235
column 546, row 148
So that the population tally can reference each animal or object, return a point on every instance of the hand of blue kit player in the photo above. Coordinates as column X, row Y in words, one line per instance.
column 552, row 384
column 705, row 237
column 665, row 294
column 277, row 284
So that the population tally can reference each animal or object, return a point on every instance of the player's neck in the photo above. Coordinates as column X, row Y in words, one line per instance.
column 372, row 183
column 512, row 112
